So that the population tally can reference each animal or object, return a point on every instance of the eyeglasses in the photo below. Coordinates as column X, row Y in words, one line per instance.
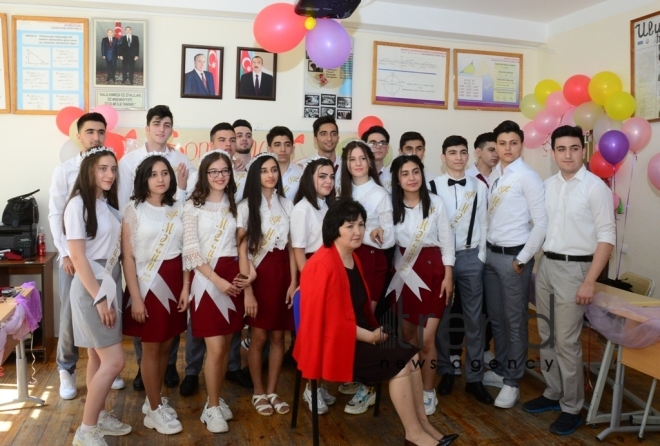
column 215, row 173
column 374, row 144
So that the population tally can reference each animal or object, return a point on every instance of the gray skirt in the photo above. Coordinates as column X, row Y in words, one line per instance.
column 88, row 331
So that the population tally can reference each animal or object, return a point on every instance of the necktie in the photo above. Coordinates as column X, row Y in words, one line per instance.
column 110, row 40
column 482, row 178
column 451, row 182
column 256, row 84
column 336, row 167
column 129, row 40
column 204, row 81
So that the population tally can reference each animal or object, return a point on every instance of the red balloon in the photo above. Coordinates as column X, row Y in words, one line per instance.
column 367, row 123
column 278, row 28
column 576, row 89
column 115, row 142
column 65, row 118
column 601, row 168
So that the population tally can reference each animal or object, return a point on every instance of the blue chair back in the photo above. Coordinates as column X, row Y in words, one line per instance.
column 296, row 309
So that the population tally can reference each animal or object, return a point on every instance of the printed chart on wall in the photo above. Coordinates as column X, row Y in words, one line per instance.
column 486, row 80
column 328, row 92
column 50, row 64
column 645, row 65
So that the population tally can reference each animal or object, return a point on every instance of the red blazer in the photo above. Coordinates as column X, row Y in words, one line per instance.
column 325, row 342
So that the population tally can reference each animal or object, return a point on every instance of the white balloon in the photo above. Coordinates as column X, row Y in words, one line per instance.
column 69, row 150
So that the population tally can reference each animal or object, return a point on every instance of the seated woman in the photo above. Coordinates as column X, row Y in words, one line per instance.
column 338, row 333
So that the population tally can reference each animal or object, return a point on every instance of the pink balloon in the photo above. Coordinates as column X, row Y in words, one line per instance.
column 568, row 118
column 638, row 131
column 596, row 147
column 557, row 104
column 110, row 115
column 545, row 122
column 533, row 138
column 616, row 200
column 653, row 170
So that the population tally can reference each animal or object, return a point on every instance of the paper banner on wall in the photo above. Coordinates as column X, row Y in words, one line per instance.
column 328, row 92
column 645, row 48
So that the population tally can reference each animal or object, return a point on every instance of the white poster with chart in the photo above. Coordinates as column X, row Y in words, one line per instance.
column 645, row 65
column 328, row 92
column 4, row 66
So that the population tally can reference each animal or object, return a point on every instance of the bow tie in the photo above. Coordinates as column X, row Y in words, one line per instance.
column 451, row 182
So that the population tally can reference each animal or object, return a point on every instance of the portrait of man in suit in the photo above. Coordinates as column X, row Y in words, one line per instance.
column 199, row 82
column 255, row 80
column 201, row 72
column 110, row 51
column 120, row 53
column 129, row 53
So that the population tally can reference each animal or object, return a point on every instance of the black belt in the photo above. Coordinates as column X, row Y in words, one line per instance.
column 508, row 250
column 567, row 258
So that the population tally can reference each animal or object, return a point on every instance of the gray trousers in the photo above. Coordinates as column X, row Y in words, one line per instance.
column 174, row 350
column 468, row 278
column 561, row 350
column 507, row 300
column 196, row 348
column 67, row 353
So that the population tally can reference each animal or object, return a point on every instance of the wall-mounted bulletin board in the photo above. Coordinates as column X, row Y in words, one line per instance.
column 485, row 80
column 4, row 67
column 410, row 75
column 645, row 65
column 50, row 64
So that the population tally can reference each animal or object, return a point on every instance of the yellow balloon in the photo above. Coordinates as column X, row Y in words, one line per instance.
column 544, row 89
column 310, row 23
column 620, row 106
column 530, row 106
column 73, row 134
column 603, row 85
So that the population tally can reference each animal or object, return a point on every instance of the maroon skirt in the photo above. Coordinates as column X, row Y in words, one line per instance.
column 431, row 270
column 206, row 320
column 161, row 325
column 273, row 281
column 374, row 269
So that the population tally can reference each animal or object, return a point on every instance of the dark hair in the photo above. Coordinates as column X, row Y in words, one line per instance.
column 453, row 140
column 278, row 130
column 159, row 111
column 253, row 195
column 484, row 138
column 196, row 56
column 219, row 127
column 567, row 130
column 93, row 116
column 346, row 177
column 341, row 211
column 398, row 207
column 509, row 127
column 323, row 120
column 141, row 181
column 307, row 187
column 258, row 57
column 375, row 129
column 85, row 186
column 411, row 136
column 203, row 188
column 242, row 123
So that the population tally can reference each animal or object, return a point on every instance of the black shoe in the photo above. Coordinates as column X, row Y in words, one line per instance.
column 138, row 385
column 171, row 376
column 479, row 391
column 446, row 384
column 566, row 424
column 541, row 404
column 241, row 377
column 447, row 439
column 189, row 386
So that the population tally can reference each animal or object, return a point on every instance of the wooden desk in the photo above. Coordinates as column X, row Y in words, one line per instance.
column 44, row 336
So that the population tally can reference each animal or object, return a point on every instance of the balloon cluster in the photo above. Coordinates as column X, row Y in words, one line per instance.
column 278, row 29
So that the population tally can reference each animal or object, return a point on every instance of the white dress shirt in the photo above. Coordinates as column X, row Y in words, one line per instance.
column 146, row 223
column 439, row 231
column 291, row 180
column 306, row 225
column 279, row 206
column 459, row 198
column 385, row 177
column 519, row 218
column 107, row 231
column 64, row 177
column 581, row 214
column 378, row 204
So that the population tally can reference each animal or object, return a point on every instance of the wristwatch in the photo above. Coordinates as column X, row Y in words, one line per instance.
column 520, row 264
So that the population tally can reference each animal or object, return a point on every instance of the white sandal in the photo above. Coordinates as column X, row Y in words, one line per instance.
column 262, row 408
column 281, row 408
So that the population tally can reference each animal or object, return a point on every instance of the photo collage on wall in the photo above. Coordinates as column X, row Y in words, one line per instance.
column 329, row 92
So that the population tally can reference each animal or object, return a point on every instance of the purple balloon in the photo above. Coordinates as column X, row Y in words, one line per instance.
column 613, row 145
column 328, row 44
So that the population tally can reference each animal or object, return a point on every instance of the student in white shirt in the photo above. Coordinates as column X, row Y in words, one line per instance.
column 326, row 138
column 465, row 200
column 244, row 144
column 578, row 243
column 280, row 144
column 486, row 154
column 92, row 229
column 516, row 228
column 423, row 282
column 378, row 139
column 263, row 233
column 412, row 143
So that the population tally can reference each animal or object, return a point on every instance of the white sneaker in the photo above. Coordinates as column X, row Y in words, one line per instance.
column 109, row 425
column 226, row 412
column 93, row 437
column 163, row 421
column 321, row 407
column 212, row 417
column 365, row 397
column 430, row 402
column 245, row 343
column 349, row 388
column 488, row 358
column 67, row 385
column 508, row 397
column 146, row 407
column 456, row 362
column 329, row 399
column 493, row 379
column 118, row 383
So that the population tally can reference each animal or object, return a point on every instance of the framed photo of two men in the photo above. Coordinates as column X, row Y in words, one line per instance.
column 256, row 74
column 201, row 71
column 120, row 53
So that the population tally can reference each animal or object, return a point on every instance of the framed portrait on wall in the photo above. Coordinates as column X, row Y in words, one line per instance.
column 120, row 53
column 201, row 71
column 256, row 74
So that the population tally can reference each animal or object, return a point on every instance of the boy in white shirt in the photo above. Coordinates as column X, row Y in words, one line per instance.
column 280, row 143
column 378, row 139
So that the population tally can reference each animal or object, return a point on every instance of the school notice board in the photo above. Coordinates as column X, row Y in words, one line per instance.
column 50, row 64
column 485, row 80
column 645, row 65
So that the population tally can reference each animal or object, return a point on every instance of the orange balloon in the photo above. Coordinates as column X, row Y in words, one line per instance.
column 115, row 142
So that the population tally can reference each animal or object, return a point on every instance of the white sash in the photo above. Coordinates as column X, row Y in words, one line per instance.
column 108, row 287
column 497, row 193
column 269, row 239
column 465, row 209
column 405, row 274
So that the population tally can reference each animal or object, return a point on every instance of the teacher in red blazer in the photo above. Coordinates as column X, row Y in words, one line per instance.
column 339, row 338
